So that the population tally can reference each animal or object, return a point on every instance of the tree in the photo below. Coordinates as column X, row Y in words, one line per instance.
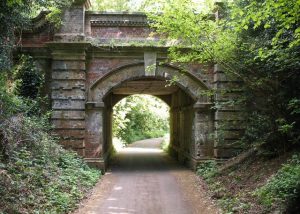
column 107, row 5
column 123, row 5
column 257, row 41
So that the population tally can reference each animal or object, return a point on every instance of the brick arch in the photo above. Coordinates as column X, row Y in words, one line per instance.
column 186, row 81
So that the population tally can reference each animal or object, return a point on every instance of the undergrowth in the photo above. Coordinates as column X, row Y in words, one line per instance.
column 284, row 187
column 36, row 174
column 279, row 193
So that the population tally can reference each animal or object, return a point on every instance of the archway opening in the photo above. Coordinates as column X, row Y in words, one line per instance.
column 181, row 113
column 140, row 118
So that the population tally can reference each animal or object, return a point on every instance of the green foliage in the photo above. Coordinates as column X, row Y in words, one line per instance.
column 8, row 104
column 233, row 205
column 28, row 80
column 140, row 117
column 284, row 186
column 254, row 41
column 36, row 174
column 121, row 5
column 208, row 169
column 15, row 16
column 24, row 84
column 106, row 5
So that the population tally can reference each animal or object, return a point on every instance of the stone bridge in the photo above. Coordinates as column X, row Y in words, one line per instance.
column 98, row 58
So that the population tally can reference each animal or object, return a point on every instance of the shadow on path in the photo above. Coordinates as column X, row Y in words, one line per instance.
column 143, row 156
column 142, row 179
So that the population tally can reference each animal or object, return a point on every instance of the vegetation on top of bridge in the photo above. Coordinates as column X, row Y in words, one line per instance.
column 142, row 43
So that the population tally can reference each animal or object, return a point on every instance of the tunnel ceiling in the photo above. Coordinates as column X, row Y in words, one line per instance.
column 153, row 87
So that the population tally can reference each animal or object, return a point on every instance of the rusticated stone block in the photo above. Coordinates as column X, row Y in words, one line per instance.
column 203, row 152
column 61, row 94
column 227, row 96
column 228, row 85
column 229, row 134
column 226, row 152
column 73, row 143
column 67, row 124
column 68, row 104
column 68, row 115
column 68, row 84
column 68, row 65
column 65, row 75
column 70, row 133
column 220, row 76
column 227, row 115
column 224, row 106
column 229, row 125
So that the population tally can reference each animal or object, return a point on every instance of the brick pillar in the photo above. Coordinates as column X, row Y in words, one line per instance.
column 68, row 95
column 186, row 138
column 228, row 118
column 203, row 132
column 94, row 135
column 174, row 131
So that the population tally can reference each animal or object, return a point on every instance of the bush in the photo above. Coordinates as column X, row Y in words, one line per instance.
column 284, row 186
column 36, row 174
column 207, row 169
column 28, row 79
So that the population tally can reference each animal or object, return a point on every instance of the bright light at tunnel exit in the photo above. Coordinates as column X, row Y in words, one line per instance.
column 139, row 117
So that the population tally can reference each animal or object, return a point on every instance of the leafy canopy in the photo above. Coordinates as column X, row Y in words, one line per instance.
column 255, row 41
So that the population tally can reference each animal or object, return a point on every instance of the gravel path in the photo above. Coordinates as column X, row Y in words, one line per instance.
column 144, row 180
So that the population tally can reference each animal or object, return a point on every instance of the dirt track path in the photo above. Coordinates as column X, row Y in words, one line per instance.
column 144, row 180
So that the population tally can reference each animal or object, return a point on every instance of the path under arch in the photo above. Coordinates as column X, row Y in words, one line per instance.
column 144, row 180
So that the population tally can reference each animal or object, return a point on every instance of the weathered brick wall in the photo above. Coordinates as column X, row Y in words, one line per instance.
column 129, row 33
column 98, row 67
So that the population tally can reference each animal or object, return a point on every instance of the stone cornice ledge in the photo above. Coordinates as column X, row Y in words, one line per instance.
column 68, row 45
